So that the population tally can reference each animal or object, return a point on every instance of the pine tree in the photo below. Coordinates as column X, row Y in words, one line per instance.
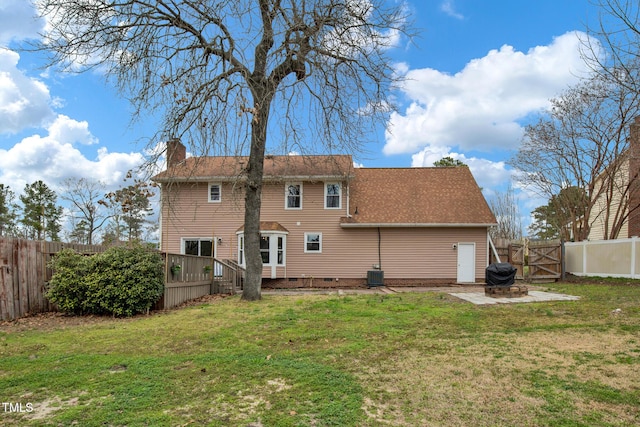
column 40, row 214
column 131, row 206
column 8, row 213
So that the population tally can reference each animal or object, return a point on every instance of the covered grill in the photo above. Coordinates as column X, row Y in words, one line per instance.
column 500, row 278
column 500, row 274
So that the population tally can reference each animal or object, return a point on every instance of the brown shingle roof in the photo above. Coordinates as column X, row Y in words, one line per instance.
column 416, row 196
column 275, row 168
column 268, row 226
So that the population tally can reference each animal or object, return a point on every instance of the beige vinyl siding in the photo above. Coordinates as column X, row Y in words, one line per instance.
column 188, row 213
column 346, row 252
column 312, row 218
column 598, row 212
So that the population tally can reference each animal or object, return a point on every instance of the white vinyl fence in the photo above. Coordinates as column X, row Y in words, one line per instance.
column 604, row 258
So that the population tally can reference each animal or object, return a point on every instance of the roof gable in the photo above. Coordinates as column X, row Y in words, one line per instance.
column 417, row 196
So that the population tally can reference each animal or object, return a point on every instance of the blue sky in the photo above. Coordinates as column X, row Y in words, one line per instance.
column 476, row 73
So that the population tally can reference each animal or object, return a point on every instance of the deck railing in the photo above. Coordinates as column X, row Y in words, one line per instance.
column 189, row 277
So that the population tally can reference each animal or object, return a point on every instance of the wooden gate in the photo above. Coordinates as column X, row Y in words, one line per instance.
column 545, row 261
column 516, row 258
column 533, row 261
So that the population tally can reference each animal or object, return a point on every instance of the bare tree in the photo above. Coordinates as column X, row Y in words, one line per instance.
column 505, row 208
column 613, row 45
column 229, row 72
column 130, row 207
column 85, row 195
column 583, row 142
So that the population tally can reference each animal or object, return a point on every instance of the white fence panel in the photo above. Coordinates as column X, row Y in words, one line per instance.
column 604, row 258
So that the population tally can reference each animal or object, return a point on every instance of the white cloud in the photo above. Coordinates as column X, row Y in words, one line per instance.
column 18, row 21
column 24, row 101
column 488, row 174
column 72, row 131
column 54, row 158
column 479, row 108
column 448, row 7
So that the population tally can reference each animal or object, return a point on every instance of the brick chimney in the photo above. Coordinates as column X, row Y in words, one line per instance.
column 176, row 152
column 634, row 178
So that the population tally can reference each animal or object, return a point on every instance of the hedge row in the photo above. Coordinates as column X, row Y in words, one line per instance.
column 121, row 281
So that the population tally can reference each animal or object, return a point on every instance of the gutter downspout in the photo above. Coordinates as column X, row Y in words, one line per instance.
column 379, row 251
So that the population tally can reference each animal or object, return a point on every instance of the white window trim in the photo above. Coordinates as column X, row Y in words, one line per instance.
column 211, row 184
column 286, row 195
column 319, row 251
column 339, row 194
column 273, row 248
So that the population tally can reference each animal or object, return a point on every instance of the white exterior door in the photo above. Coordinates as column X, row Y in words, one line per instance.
column 466, row 263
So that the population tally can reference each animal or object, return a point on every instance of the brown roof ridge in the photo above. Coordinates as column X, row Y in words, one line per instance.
column 411, row 167
column 207, row 167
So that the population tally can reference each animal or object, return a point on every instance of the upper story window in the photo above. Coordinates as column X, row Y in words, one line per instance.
column 215, row 192
column 332, row 195
column 293, row 196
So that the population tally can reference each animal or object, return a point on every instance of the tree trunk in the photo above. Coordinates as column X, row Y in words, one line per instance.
column 255, row 168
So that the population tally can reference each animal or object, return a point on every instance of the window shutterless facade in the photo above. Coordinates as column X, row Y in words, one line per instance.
column 293, row 196
column 197, row 246
column 313, row 242
column 215, row 192
column 332, row 195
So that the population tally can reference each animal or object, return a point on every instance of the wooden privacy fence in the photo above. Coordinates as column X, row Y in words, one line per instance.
column 545, row 261
column 510, row 252
column 534, row 261
column 24, row 274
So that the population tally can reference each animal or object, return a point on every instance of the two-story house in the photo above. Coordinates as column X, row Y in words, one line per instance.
column 326, row 223
column 616, row 208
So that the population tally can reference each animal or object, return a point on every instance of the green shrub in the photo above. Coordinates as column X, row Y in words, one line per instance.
column 68, row 287
column 125, row 281
column 121, row 281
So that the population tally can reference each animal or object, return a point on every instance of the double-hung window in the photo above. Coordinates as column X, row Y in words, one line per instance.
column 293, row 196
column 265, row 252
column 215, row 192
column 332, row 195
column 313, row 243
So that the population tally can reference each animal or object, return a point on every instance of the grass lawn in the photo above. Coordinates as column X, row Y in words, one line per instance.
column 327, row 360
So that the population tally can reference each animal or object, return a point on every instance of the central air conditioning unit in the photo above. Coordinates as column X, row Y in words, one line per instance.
column 375, row 278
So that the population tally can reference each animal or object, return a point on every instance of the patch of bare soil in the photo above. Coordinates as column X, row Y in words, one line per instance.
column 207, row 299
column 55, row 320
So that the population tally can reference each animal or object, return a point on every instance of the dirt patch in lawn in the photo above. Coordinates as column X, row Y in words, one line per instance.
column 56, row 320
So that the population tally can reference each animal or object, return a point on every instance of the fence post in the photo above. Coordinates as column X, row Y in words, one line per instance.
column 563, row 267
column 634, row 240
